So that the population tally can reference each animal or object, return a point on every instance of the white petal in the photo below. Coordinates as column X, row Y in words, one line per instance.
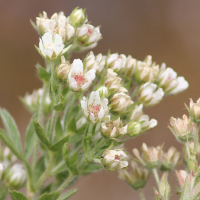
column 90, row 75
column 47, row 38
column 58, row 39
column 58, row 49
column 77, row 67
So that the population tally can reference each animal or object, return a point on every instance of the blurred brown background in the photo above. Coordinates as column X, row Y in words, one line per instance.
column 169, row 30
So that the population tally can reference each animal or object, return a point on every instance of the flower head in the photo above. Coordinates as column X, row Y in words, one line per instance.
column 114, row 159
column 78, row 79
column 94, row 109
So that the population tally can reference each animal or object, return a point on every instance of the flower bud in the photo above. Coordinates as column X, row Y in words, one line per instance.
column 114, row 159
column 169, row 82
column 62, row 70
column 181, row 175
column 113, row 129
column 77, row 17
column 33, row 101
column 78, row 79
column 95, row 109
column 151, row 156
column 87, row 35
column 51, row 46
column 130, row 67
column 134, row 128
column 1, row 170
column 146, row 71
column 182, row 128
column 170, row 159
column 164, row 187
column 120, row 102
column 136, row 178
column 149, row 95
column 16, row 177
column 116, row 62
column 103, row 92
column 192, row 164
column 195, row 111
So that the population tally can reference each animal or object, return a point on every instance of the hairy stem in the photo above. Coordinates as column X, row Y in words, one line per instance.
column 62, row 187
column 155, row 173
column 52, row 125
column 53, row 74
column 141, row 194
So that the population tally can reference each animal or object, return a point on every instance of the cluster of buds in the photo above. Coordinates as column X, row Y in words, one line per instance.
column 151, row 157
column 33, row 101
column 138, row 116
column 171, row 84
column 94, row 62
column 114, row 159
column 16, row 176
column 137, row 178
column 146, row 71
column 94, row 108
column 183, row 129
column 169, row 159
column 116, row 62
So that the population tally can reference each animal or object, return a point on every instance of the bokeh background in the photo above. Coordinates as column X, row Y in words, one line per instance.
column 169, row 30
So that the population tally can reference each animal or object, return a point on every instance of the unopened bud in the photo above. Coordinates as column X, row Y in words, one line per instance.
column 164, row 187
column 77, row 17
column 134, row 128
column 195, row 111
column 103, row 92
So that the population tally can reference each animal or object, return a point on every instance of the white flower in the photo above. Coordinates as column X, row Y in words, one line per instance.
column 146, row 71
column 114, row 159
column 169, row 82
column 130, row 66
column 116, row 62
column 94, row 109
column 77, row 79
column 51, row 46
column 87, row 35
column 137, row 115
column 149, row 94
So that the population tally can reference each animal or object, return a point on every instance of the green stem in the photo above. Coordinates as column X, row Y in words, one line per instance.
column 53, row 74
column 52, row 125
column 141, row 194
column 62, row 187
column 155, row 173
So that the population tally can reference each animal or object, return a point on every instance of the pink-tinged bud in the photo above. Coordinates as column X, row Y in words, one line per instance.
column 77, row 18
column 151, row 157
column 181, row 175
column 157, row 195
column 149, row 95
column 146, row 71
column 78, row 79
column 87, row 35
column 113, row 129
column 169, row 82
column 120, row 102
column 137, row 178
column 114, row 159
column 116, row 62
column 169, row 159
column 164, row 187
column 182, row 129
column 195, row 111
column 94, row 108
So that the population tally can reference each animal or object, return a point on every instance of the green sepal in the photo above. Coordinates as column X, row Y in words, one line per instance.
column 15, row 195
column 40, row 133
column 43, row 74
column 34, row 26
column 186, row 188
column 11, row 129
column 68, row 194
column 57, row 147
column 50, row 196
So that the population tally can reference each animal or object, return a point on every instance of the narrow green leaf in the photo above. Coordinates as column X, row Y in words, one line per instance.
column 59, row 107
column 68, row 194
column 43, row 74
column 59, row 130
column 59, row 145
column 71, row 126
column 40, row 133
column 7, row 141
column 11, row 128
column 15, row 195
column 50, row 196
column 30, row 140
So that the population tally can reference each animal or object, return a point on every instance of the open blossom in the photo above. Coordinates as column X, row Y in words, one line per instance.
column 120, row 101
column 151, row 156
column 169, row 82
column 87, row 35
column 113, row 128
column 116, row 62
column 195, row 111
column 149, row 95
column 94, row 109
column 94, row 62
column 114, row 159
column 182, row 128
column 78, row 79
column 146, row 71
column 51, row 46
column 137, row 115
